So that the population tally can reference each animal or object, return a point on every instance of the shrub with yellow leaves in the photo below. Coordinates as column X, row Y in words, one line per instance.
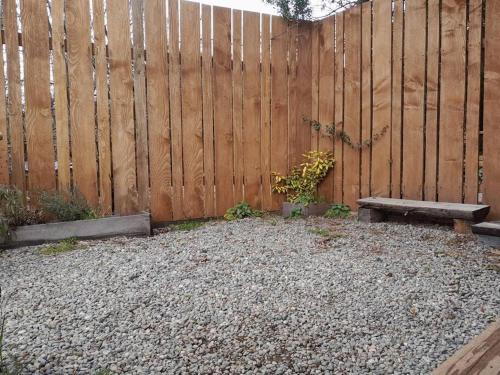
column 301, row 184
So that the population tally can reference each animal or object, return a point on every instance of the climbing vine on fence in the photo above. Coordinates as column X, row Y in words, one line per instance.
column 331, row 130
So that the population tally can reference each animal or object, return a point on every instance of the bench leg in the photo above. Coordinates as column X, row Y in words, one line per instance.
column 369, row 215
column 462, row 226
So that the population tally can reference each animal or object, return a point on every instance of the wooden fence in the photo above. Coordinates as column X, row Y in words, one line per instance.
column 426, row 70
column 185, row 109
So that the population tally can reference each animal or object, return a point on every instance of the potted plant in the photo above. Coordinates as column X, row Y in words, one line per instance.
column 300, row 186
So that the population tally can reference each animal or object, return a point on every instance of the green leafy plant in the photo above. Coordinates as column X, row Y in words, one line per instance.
column 300, row 186
column 296, row 213
column 187, row 225
column 241, row 211
column 14, row 211
column 64, row 246
column 338, row 211
column 13, row 207
column 66, row 206
column 297, row 10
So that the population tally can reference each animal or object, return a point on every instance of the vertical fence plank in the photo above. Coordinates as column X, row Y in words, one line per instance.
column 451, row 122
column 314, row 83
column 14, row 109
column 158, row 110
column 303, row 99
column 208, row 119
column 222, row 110
column 38, row 116
column 352, row 119
column 293, row 137
column 431, row 123
column 175, row 109
column 397, row 92
column 471, row 168
column 251, row 108
column 4, row 152
column 279, row 108
column 491, row 125
column 102, row 108
column 239, row 153
column 381, row 158
column 61, row 97
column 413, row 115
column 81, row 99
column 366, row 96
column 326, row 95
column 122, row 109
column 266, row 113
column 338, row 176
column 192, row 126
column 141, row 125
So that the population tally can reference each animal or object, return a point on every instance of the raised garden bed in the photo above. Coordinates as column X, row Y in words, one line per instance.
column 132, row 225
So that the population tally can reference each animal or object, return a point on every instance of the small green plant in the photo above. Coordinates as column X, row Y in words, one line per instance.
column 273, row 222
column 320, row 232
column 300, row 186
column 64, row 246
column 338, row 211
column 241, row 211
column 66, row 206
column 296, row 213
column 13, row 208
column 14, row 211
column 187, row 225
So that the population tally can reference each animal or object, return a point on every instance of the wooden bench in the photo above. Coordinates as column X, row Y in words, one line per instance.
column 374, row 210
column 481, row 356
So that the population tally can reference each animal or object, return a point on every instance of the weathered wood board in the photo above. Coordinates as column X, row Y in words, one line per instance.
column 471, row 212
column 481, row 356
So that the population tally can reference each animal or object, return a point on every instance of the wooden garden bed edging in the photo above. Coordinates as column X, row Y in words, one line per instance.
column 480, row 356
column 132, row 225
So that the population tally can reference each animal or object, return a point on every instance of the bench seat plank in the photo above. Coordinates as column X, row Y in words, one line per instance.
column 442, row 210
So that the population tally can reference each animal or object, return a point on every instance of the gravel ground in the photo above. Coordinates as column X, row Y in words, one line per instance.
column 253, row 296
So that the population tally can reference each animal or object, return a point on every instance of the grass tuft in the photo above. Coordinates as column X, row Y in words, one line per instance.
column 64, row 246
column 320, row 231
column 187, row 225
